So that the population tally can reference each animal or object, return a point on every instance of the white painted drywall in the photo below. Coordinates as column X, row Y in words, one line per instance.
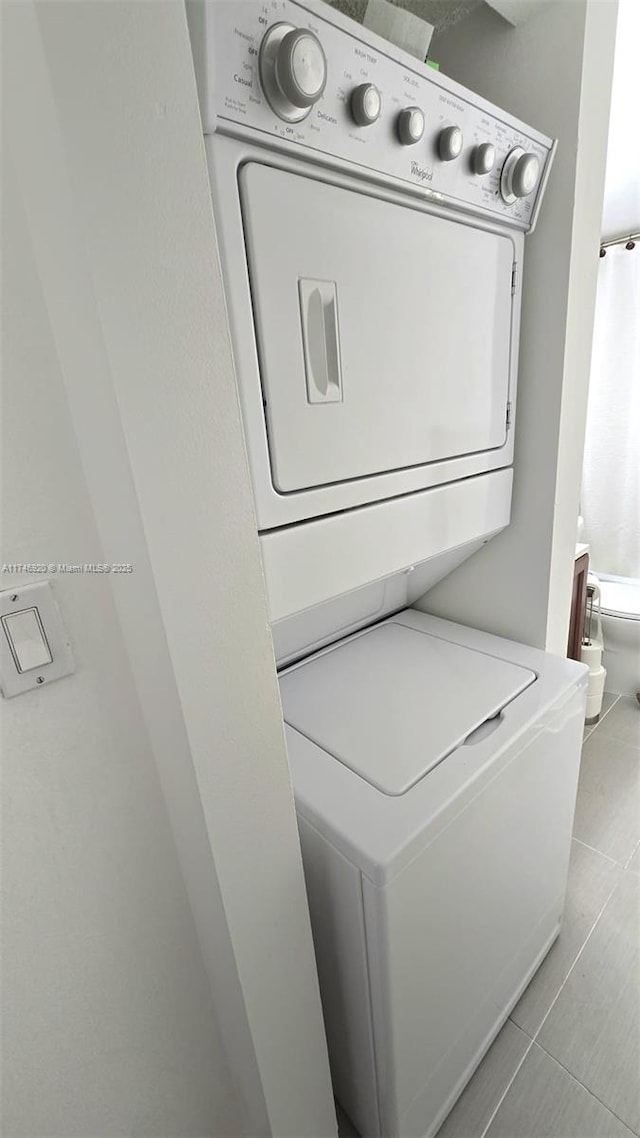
column 109, row 1026
column 553, row 71
column 126, row 445
column 516, row 11
column 622, row 184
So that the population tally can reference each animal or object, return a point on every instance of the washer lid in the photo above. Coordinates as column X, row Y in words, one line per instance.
column 393, row 702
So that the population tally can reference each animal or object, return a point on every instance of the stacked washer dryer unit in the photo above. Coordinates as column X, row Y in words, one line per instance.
column 371, row 216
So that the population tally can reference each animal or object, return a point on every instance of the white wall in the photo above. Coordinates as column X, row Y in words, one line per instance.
column 553, row 71
column 132, row 1011
column 109, row 1026
column 622, row 185
column 517, row 11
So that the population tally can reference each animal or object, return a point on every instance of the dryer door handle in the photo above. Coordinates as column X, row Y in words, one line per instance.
column 321, row 341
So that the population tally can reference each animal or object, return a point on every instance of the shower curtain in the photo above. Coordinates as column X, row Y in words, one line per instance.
column 610, row 502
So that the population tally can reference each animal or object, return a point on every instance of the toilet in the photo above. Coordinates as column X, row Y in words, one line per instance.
column 620, row 606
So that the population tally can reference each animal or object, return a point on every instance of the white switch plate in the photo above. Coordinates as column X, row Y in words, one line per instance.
column 38, row 596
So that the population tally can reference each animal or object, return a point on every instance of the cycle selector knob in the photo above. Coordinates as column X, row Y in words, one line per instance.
column 450, row 142
column 483, row 158
column 410, row 125
column 293, row 70
column 366, row 104
column 519, row 175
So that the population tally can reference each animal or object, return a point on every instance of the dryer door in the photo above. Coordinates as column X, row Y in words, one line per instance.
column 384, row 331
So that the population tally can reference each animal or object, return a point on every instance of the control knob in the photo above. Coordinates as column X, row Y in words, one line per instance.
column 519, row 175
column 483, row 158
column 366, row 104
column 293, row 70
column 450, row 143
column 410, row 125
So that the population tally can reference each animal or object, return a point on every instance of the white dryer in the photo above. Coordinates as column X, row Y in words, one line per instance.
column 371, row 216
column 373, row 274
column 435, row 771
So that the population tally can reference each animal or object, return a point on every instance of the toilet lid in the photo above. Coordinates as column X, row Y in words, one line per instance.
column 391, row 703
column 620, row 597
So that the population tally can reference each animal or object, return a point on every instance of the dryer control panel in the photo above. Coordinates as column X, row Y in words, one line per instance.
column 304, row 77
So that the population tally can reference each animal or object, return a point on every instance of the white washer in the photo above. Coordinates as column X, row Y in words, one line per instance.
column 371, row 219
column 435, row 772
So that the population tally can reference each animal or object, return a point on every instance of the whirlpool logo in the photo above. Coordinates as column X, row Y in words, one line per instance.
column 420, row 172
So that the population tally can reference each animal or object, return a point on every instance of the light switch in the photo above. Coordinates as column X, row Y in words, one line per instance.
column 27, row 640
column 34, row 646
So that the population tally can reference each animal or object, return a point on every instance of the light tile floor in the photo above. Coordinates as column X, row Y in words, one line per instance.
column 567, row 1062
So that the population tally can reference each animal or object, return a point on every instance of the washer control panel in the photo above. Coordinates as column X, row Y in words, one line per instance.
column 305, row 76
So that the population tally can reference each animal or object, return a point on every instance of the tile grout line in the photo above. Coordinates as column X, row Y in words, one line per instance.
column 586, row 1088
column 578, row 955
column 534, row 1037
column 534, row 1040
column 592, row 726
column 509, row 1085
column 600, row 853
column 603, row 717
column 632, row 855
